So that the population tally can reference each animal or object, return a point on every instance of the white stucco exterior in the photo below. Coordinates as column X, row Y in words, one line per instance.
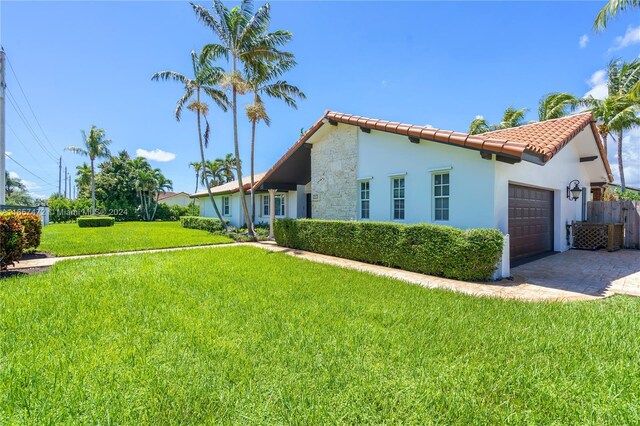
column 180, row 199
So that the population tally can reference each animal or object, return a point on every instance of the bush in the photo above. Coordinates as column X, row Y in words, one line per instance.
column 204, row 223
column 173, row 212
column 95, row 221
column 65, row 210
column 12, row 238
column 428, row 249
column 32, row 229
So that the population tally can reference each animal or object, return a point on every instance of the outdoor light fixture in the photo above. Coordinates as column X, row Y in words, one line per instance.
column 574, row 193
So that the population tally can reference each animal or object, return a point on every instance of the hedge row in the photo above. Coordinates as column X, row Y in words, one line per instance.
column 18, row 232
column 204, row 223
column 429, row 249
column 95, row 221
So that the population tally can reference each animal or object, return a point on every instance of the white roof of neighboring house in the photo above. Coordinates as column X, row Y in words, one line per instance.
column 166, row 195
column 231, row 187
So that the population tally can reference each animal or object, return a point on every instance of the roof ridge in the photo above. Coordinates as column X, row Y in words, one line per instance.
column 533, row 123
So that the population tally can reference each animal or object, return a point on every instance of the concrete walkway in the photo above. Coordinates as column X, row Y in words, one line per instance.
column 569, row 276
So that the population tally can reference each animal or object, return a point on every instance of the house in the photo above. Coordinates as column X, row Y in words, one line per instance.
column 523, row 181
column 174, row 198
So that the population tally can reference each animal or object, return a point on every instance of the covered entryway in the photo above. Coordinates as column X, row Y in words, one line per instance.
column 530, row 222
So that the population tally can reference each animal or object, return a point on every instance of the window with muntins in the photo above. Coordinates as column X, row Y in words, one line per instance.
column 397, row 196
column 226, row 206
column 279, row 204
column 441, row 196
column 365, row 195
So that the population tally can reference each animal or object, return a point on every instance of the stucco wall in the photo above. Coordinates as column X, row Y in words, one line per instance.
column 180, row 200
column 334, row 160
column 383, row 155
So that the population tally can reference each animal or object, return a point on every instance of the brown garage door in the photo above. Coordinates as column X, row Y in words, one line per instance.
column 530, row 221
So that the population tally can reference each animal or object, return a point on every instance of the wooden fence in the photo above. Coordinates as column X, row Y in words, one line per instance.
column 626, row 212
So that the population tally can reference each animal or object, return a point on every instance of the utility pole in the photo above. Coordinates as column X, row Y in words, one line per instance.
column 3, row 169
column 60, row 176
column 70, row 185
column 65, row 181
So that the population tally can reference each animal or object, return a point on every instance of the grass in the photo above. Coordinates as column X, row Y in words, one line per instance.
column 240, row 335
column 69, row 239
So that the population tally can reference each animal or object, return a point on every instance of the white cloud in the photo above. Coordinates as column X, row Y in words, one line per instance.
column 598, row 85
column 156, row 155
column 14, row 175
column 584, row 39
column 631, row 36
column 479, row 117
column 630, row 157
column 8, row 153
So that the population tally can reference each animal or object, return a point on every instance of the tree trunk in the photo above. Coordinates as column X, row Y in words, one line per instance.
column 243, row 201
column 193, row 206
column 93, row 191
column 155, row 208
column 620, row 166
column 253, row 148
column 204, row 170
column 603, row 136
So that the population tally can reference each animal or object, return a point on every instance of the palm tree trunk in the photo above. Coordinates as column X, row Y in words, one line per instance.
column 243, row 201
column 193, row 205
column 620, row 166
column 204, row 170
column 93, row 190
column 155, row 208
column 253, row 195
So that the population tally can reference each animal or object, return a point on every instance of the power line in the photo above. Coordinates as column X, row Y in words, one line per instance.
column 29, row 104
column 22, row 117
column 27, row 170
column 21, row 143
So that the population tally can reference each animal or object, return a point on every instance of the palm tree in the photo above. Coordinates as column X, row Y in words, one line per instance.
column 95, row 146
column 83, row 180
column 215, row 175
column 13, row 184
column 512, row 117
column 196, row 166
column 205, row 79
column 262, row 79
column 614, row 114
column 244, row 38
column 610, row 10
column 556, row 105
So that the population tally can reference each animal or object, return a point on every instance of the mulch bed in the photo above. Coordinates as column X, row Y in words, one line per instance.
column 27, row 271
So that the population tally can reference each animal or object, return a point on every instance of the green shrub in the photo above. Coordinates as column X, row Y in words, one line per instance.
column 32, row 229
column 429, row 249
column 95, row 221
column 174, row 212
column 11, row 237
column 204, row 223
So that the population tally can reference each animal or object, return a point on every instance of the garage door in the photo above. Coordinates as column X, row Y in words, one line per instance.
column 530, row 222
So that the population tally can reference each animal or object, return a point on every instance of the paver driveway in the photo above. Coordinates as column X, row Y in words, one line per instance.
column 596, row 273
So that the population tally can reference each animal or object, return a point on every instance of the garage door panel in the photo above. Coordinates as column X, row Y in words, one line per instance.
column 530, row 221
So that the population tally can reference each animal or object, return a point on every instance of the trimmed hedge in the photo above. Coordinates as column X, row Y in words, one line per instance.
column 429, row 249
column 204, row 223
column 11, row 239
column 32, row 228
column 95, row 221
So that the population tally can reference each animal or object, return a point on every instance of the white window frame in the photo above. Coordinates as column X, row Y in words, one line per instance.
column 403, row 198
column 226, row 199
column 266, row 205
column 434, row 196
column 368, row 199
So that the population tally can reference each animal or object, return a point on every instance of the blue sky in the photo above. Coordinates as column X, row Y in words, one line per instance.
column 84, row 63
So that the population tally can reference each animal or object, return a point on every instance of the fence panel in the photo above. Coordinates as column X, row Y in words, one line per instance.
column 626, row 212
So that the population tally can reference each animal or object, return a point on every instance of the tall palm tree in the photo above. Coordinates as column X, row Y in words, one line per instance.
column 610, row 10
column 243, row 39
column 96, row 145
column 83, row 179
column 512, row 117
column 229, row 166
column 262, row 78
column 556, row 105
column 205, row 80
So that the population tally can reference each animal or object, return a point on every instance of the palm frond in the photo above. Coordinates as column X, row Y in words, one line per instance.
column 77, row 150
column 182, row 101
column 610, row 10
column 170, row 75
column 218, row 96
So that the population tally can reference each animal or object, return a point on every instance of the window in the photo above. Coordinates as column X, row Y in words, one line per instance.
column 441, row 196
column 364, row 199
column 226, row 206
column 280, row 205
column 397, row 196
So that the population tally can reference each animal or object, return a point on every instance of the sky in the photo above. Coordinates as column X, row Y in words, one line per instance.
column 428, row 63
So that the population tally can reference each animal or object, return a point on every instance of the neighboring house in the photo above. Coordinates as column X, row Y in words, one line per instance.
column 174, row 198
column 516, row 180
column 289, row 201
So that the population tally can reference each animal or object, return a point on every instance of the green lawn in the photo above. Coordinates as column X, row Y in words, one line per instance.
column 69, row 239
column 238, row 335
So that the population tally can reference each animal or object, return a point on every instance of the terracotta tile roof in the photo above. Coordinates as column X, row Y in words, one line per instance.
column 170, row 194
column 231, row 187
column 541, row 140
column 548, row 137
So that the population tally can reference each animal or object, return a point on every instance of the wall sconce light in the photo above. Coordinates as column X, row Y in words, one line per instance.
column 574, row 193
